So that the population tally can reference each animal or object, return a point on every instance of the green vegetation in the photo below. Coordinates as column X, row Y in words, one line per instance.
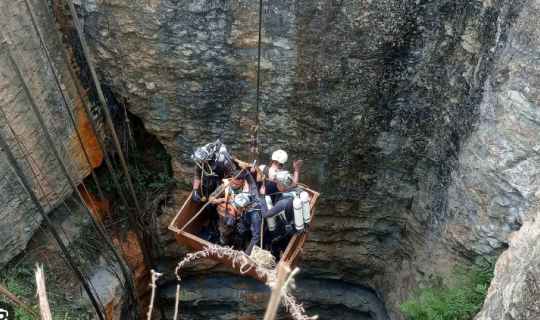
column 21, row 314
column 460, row 299
column 20, row 282
column 148, row 174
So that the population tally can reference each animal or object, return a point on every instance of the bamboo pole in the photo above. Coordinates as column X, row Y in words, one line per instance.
column 13, row 298
column 144, row 245
column 18, row 170
column 273, row 304
column 177, row 302
column 155, row 276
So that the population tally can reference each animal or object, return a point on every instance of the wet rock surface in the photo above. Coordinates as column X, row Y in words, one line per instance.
column 234, row 297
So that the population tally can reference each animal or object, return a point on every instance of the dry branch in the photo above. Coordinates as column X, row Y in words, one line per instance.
column 155, row 276
column 42, row 294
column 177, row 302
column 13, row 298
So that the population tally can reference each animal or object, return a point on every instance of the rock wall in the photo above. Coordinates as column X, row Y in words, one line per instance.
column 235, row 297
column 416, row 119
column 509, row 139
column 19, row 126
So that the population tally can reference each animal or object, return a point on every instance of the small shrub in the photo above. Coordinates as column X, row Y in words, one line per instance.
column 17, row 281
column 21, row 314
column 20, row 282
column 460, row 299
column 145, row 178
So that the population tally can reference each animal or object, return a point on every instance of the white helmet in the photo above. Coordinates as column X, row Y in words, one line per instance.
column 280, row 156
column 242, row 200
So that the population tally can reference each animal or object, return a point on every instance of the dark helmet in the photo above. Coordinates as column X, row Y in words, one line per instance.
column 224, row 160
column 203, row 154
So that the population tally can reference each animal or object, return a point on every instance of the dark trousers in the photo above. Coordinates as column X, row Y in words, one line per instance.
column 277, row 241
column 227, row 234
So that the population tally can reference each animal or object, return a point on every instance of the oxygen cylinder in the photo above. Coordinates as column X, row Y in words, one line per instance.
column 270, row 221
column 304, row 196
column 298, row 215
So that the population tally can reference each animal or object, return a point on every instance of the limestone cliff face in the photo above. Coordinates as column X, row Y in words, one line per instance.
column 18, row 217
column 511, row 140
column 417, row 119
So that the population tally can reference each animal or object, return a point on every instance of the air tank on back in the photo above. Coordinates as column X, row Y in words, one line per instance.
column 304, row 197
column 298, row 215
column 270, row 221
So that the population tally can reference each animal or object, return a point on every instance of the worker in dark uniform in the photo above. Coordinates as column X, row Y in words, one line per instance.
column 239, row 212
column 214, row 163
column 279, row 239
column 279, row 158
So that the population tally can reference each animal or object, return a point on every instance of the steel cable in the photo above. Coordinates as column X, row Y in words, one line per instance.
column 19, row 173
column 104, row 106
column 126, row 273
column 17, row 70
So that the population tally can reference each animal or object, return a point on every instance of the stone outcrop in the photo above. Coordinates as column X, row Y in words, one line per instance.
column 388, row 102
column 101, row 270
column 18, row 217
column 417, row 121
column 513, row 293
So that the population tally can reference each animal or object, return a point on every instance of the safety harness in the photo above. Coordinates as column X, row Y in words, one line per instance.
column 227, row 210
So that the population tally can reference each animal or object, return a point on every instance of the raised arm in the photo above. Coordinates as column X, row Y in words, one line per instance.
column 252, row 187
column 296, row 166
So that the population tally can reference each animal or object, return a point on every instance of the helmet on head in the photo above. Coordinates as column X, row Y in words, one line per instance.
column 280, row 156
column 285, row 179
column 242, row 200
column 224, row 160
column 202, row 154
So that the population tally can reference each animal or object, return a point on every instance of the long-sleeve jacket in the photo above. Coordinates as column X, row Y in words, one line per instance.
column 253, row 192
column 253, row 218
column 283, row 203
column 250, row 217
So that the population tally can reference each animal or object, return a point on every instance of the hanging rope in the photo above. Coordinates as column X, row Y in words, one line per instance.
column 63, row 165
column 296, row 310
column 19, row 173
column 255, row 134
column 147, row 257
column 133, row 223
column 15, row 66
column 126, row 273
column 25, row 155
